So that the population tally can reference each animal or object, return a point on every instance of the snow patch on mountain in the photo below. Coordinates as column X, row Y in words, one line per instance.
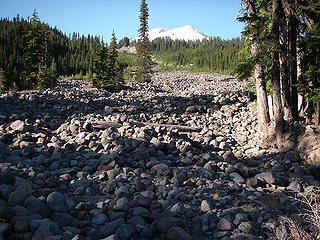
column 187, row 33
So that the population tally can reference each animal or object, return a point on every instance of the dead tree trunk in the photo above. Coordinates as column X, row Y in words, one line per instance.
column 181, row 128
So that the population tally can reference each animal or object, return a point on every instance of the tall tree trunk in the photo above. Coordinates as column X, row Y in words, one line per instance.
column 317, row 122
column 262, row 100
column 275, row 71
column 284, row 70
column 293, row 63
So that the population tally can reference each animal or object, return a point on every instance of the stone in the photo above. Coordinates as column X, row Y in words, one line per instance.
column 140, row 201
column 20, row 211
column 108, row 109
column 245, row 227
column 229, row 156
column 268, row 177
column 122, row 191
column 6, row 178
column 177, row 233
column 235, row 177
column 47, row 230
column 165, row 223
column 4, row 228
column 56, row 202
column 177, row 209
column 99, row 219
column 35, row 224
column 125, row 231
column 137, row 220
column 122, row 204
column 224, row 225
column 21, row 223
column 295, row 186
column 113, row 173
column 242, row 168
column 6, row 212
column 95, row 234
column 111, row 228
column 5, row 191
column 36, row 206
column 3, row 150
column 157, row 143
column 206, row 206
column 159, row 169
column 112, row 237
column 292, row 156
column 192, row 109
column 18, row 125
column 63, row 219
column 18, row 196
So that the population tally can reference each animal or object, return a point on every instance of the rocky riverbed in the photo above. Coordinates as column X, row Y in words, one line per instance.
column 61, row 178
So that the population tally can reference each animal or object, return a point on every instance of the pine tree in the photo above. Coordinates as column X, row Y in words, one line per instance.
column 102, row 68
column 37, row 55
column 116, row 78
column 144, row 62
column 254, row 32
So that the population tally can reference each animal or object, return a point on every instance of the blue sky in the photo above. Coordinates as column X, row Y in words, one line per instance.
column 100, row 17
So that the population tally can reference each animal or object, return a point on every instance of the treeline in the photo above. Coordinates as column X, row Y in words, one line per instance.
column 210, row 55
column 283, row 49
column 29, row 44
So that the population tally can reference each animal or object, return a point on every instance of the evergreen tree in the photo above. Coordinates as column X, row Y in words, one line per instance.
column 116, row 78
column 102, row 68
column 36, row 55
column 144, row 62
column 254, row 31
column 309, row 81
column 124, row 42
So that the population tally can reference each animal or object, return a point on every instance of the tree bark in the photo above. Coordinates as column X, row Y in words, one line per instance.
column 317, row 122
column 293, row 64
column 275, row 71
column 262, row 100
column 284, row 69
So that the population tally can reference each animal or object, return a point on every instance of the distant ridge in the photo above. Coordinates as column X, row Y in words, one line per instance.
column 187, row 33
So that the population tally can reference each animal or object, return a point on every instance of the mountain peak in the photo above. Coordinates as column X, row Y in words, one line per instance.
column 187, row 33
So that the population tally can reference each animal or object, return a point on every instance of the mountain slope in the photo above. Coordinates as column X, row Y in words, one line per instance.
column 187, row 33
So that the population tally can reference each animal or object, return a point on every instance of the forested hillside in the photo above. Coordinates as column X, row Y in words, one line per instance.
column 65, row 55
column 213, row 55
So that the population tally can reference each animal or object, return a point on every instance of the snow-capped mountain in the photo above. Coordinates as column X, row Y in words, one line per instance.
column 187, row 33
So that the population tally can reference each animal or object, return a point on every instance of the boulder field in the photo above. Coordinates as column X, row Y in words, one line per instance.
column 143, row 177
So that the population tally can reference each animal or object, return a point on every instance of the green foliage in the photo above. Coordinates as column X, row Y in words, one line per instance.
column 124, row 42
column 45, row 77
column 310, row 51
column 245, row 66
column 144, row 62
column 126, row 60
column 107, row 73
column 213, row 55
column 36, row 56
column 19, row 59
